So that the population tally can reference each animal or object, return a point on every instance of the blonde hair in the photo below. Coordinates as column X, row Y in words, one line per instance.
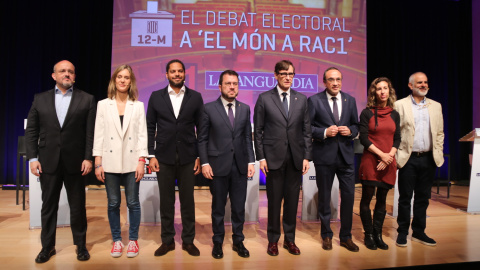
column 372, row 97
column 132, row 91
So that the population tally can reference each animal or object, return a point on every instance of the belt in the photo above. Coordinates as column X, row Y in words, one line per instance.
column 421, row 154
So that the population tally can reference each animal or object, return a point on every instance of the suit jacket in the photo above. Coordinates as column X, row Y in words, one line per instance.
column 326, row 149
column 168, row 135
column 219, row 142
column 120, row 146
column 274, row 131
column 49, row 142
column 407, row 130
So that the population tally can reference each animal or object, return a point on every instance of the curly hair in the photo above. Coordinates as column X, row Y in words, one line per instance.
column 372, row 97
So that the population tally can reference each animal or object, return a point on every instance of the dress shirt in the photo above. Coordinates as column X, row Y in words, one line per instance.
column 225, row 105
column 280, row 92
column 62, row 102
column 339, row 106
column 422, row 140
column 176, row 99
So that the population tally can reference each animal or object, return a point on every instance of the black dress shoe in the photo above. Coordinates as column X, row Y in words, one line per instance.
column 164, row 248
column 241, row 250
column 217, row 251
column 82, row 253
column 191, row 249
column 45, row 254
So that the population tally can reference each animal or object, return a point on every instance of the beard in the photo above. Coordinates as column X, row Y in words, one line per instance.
column 67, row 85
column 420, row 93
column 227, row 97
column 173, row 84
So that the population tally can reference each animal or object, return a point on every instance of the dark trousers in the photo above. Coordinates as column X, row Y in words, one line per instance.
column 51, row 185
column 235, row 186
column 185, row 177
column 416, row 176
column 325, row 175
column 283, row 184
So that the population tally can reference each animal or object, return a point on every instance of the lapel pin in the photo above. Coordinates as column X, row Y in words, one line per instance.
column 295, row 98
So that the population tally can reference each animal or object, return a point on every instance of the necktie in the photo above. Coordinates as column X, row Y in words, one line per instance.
column 230, row 115
column 285, row 102
column 335, row 110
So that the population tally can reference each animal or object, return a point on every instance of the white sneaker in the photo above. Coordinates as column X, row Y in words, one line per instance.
column 132, row 249
column 117, row 249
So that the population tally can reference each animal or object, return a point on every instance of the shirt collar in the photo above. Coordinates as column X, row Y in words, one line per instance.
column 225, row 102
column 424, row 100
column 280, row 91
column 338, row 96
column 57, row 90
column 172, row 92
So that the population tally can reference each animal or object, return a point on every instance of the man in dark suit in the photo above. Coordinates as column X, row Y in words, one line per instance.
column 173, row 113
column 59, row 139
column 334, row 120
column 283, row 144
column 226, row 153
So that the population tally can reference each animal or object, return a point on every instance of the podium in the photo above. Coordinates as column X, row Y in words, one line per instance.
column 473, row 198
column 35, row 197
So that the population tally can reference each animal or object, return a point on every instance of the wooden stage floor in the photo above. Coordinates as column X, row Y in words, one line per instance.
column 457, row 235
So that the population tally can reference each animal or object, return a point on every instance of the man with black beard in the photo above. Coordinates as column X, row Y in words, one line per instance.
column 173, row 113
column 419, row 153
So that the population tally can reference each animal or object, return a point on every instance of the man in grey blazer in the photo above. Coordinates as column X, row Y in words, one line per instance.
column 334, row 125
column 59, row 140
column 419, row 153
column 283, row 145
column 226, row 154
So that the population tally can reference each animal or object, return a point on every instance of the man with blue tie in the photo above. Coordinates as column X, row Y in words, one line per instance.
column 283, row 144
column 226, row 154
column 334, row 119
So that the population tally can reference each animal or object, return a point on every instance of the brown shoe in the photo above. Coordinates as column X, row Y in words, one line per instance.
column 164, row 248
column 327, row 243
column 272, row 249
column 349, row 245
column 191, row 249
column 291, row 247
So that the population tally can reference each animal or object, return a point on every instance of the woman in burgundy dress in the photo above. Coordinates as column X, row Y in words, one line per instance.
column 380, row 136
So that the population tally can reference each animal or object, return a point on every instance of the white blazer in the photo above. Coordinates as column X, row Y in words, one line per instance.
column 407, row 127
column 120, row 148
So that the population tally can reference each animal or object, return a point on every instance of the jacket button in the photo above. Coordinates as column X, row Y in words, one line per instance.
column 112, row 138
column 131, row 151
column 129, row 138
column 110, row 151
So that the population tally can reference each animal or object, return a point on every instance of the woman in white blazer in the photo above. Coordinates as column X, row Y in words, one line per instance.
column 120, row 148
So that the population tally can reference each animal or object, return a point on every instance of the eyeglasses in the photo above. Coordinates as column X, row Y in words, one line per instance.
column 285, row 74
column 235, row 84
column 331, row 80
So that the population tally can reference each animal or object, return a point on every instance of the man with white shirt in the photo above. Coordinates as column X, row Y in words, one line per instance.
column 334, row 119
column 226, row 154
column 283, row 144
column 419, row 153
column 173, row 113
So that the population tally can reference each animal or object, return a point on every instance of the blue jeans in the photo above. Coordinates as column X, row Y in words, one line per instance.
column 112, row 185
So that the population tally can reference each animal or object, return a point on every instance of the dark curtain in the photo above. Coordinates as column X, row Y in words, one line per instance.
column 404, row 36
column 36, row 35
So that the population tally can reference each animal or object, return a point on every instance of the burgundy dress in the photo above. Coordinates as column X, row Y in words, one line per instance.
column 379, row 126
